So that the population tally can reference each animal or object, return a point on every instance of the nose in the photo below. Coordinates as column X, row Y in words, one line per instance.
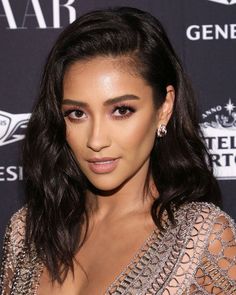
column 98, row 137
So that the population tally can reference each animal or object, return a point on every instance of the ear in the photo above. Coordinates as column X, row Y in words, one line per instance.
column 165, row 111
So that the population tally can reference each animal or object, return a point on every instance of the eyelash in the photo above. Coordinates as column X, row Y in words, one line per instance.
column 125, row 107
column 119, row 107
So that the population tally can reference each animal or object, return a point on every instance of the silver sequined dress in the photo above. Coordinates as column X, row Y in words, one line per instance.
column 196, row 256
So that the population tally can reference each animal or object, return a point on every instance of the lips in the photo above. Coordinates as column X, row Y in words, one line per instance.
column 102, row 165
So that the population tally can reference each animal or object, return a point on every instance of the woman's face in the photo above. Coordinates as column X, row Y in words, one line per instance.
column 111, row 120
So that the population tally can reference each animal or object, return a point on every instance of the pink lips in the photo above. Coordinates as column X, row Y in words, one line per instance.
column 103, row 165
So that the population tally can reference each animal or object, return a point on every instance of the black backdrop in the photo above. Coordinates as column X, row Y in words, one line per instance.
column 203, row 33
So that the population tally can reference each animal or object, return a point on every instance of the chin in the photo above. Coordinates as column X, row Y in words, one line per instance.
column 104, row 187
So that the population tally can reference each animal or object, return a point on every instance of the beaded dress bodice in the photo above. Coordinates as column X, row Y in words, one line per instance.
column 195, row 256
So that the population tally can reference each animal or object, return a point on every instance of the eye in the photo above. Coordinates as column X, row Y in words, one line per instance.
column 123, row 111
column 74, row 114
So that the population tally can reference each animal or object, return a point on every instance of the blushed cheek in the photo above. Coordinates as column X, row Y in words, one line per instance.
column 140, row 136
column 73, row 141
column 69, row 137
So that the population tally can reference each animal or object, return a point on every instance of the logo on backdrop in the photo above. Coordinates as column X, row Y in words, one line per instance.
column 219, row 129
column 33, row 11
column 11, row 173
column 211, row 32
column 12, row 127
column 226, row 2
column 208, row 32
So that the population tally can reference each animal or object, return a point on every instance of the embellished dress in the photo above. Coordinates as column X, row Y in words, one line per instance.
column 196, row 255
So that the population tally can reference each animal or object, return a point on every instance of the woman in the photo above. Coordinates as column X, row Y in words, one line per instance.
column 118, row 182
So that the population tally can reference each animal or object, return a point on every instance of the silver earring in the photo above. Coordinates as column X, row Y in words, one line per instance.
column 161, row 131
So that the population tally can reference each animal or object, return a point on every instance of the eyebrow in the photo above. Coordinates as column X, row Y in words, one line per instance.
column 108, row 102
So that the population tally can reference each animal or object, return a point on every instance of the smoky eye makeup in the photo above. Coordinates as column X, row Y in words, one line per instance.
column 73, row 113
column 77, row 112
column 118, row 112
column 123, row 111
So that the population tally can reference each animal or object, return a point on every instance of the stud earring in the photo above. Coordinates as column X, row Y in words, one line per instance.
column 161, row 131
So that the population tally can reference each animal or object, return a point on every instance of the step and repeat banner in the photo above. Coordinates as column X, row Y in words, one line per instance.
column 203, row 33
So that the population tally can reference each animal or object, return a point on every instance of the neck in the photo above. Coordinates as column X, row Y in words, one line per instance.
column 130, row 198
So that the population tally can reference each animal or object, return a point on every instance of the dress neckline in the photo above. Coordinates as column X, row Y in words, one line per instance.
column 143, row 251
column 120, row 278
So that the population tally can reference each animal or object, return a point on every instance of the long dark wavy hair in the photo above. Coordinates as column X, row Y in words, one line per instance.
column 55, row 186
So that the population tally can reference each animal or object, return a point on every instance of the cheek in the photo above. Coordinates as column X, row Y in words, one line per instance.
column 75, row 140
column 139, row 135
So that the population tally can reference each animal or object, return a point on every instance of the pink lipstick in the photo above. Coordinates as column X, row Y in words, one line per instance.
column 102, row 165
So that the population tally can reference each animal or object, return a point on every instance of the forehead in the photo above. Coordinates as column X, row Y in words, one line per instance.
column 124, row 63
column 104, row 77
